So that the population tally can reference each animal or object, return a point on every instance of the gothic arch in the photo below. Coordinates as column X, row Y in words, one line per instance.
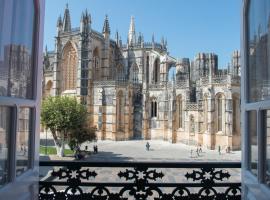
column 147, row 69
column 156, row 70
column 154, row 106
column 134, row 73
column 96, row 63
column 220, row 112
column 68, row 72
column 120, row 72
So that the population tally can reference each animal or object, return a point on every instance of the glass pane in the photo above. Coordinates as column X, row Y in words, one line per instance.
column 267, row 129
column 5, row 114
column 22, row 144
column 258, row 71
column 16, row 34
column 253, row 142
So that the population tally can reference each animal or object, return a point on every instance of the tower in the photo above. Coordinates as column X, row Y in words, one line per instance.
column 106, row 56
column 84, row 56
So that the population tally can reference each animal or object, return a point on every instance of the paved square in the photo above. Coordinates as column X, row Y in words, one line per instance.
column 135, row 150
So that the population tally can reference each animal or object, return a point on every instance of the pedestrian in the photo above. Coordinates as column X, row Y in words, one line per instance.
column 147, row 146
column 94, row 148
column 200, row 148
column 21, row 147
column 24, row 150
column 229, row 149
column 197, row 151
column 219, row 150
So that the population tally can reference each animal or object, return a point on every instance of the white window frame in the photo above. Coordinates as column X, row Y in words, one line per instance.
column 30, row 178
column 253, row 187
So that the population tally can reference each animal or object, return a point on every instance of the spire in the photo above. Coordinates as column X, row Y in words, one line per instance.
column 87, row 16
column 140, row 38
column 117, row 37
column 120, row 42
column 153, row 41
column 106, row 26
column 66, row 20
column 46, row 52
column 59, row 21
column 162, row 42
column 131, row 32
column 85, row 22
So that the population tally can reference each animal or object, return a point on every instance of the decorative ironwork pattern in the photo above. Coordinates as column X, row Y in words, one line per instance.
column 142, row 181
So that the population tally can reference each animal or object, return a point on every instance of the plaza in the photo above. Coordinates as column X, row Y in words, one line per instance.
column 135, row 150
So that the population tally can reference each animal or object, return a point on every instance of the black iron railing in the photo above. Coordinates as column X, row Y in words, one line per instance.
column 140, row 180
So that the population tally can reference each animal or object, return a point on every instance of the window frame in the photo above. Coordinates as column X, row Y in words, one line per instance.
column 251, row 184
column 32, row 103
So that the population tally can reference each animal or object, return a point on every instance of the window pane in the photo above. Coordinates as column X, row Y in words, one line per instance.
column 253, row 144
column 16, row 33
column 22, row 144
column 5, row 114
column 258, row 71
column 267, row 129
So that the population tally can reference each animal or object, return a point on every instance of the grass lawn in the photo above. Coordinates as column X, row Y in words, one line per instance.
column 52, row 151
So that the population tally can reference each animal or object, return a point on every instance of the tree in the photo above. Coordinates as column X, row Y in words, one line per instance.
column 63, row 115
column 81, row 135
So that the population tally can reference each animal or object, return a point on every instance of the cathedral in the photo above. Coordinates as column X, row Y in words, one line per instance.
column 136, row 90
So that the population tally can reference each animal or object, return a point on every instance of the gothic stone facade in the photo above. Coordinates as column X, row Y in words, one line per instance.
column 138, row 91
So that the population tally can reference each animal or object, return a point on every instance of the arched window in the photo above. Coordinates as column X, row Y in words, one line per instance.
column 96, row 64
column 205, row 112
column 147, row 69
column 153, row 108
column 220, row 112
column 120, row 111
column 134, row 73
column 179, row 107
column 69, row 68
column 156, row 71
column 120, row 73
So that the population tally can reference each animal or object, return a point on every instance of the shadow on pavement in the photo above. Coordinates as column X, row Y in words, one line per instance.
column 107, row 156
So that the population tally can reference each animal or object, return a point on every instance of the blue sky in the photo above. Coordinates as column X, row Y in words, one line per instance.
column 190, row 26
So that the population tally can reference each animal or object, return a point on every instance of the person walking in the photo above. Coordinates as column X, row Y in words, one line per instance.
column 197, row 151
column 219, row 150
column 147, row 146
column 200, row 148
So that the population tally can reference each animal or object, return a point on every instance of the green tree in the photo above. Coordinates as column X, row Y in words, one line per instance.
column 80, row 135
column 63, row 116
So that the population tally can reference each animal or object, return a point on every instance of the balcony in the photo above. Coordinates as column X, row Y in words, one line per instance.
column 140, row 180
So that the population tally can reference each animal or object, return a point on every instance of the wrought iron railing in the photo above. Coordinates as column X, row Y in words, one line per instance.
column 140, row 180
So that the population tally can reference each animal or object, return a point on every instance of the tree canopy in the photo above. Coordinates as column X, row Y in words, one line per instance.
column 66, row 118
